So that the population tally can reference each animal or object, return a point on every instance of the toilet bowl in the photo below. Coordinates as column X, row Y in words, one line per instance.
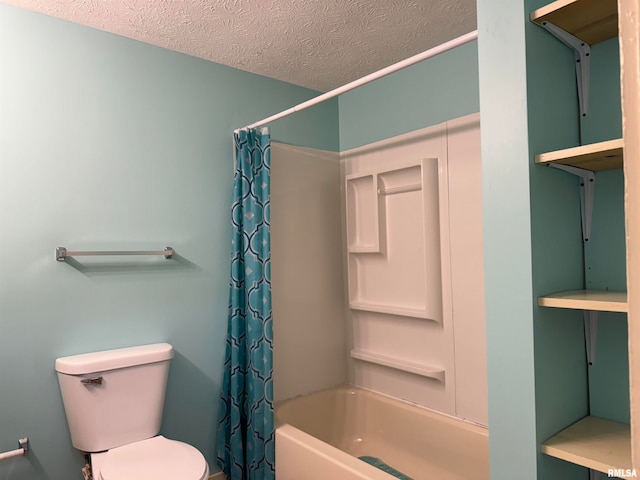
column 114, row 401
column 156, row 458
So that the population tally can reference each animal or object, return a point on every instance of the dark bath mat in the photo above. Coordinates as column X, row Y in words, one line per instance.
column 376, row 462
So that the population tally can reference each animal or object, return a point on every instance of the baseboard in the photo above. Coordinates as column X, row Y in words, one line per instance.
column 218, row 476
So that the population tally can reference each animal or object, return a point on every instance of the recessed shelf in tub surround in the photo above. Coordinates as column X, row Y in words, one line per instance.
column 363, row 229
column 365, row 209
column 390, row 309
column 393, row 240
column 400, row 189
column 435, row 373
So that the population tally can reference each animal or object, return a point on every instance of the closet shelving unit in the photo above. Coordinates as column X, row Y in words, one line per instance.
column 592, row 442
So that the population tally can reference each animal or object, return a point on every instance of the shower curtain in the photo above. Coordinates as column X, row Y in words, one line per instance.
column 246, row 438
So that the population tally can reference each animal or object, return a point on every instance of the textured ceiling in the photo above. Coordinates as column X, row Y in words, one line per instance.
column 320, row 44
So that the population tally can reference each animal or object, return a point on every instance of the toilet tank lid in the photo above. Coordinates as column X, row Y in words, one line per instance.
column 112, row 359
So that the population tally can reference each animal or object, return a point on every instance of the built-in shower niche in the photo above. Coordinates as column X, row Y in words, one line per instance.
column 363, row 217
column 393, row 238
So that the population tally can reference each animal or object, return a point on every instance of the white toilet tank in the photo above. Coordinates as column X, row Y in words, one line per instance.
column 115, row 397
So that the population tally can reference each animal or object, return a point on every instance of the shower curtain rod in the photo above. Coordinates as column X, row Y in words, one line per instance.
column 451, row 44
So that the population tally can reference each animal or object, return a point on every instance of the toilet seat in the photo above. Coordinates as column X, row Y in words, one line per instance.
column 156, row 458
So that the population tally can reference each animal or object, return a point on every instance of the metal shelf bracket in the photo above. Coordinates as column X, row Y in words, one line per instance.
column 590, row 334
column 582, row 55
column 587, row 194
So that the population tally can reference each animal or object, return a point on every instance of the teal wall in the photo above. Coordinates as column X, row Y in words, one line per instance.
column 507, row 239
column 428, row 93
column 604, row 121
column 108, row 143
column 605, row 260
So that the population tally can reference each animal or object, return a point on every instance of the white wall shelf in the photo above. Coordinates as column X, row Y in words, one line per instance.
column 594, row 443
column 411, row 367
column 390, row 309
column 596, row 156
column 400, row 189
column 363, row 228
column 602, row 301
column 592, row 21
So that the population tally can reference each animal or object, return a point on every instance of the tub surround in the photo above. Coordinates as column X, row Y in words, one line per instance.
column 413, row 248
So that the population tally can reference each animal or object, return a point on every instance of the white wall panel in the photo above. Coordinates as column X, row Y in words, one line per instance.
column 399, row 295
column 307, row 278
column 416, row 289
column 465, row 223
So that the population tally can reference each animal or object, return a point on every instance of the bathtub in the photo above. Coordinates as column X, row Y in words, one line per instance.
column 320, row 437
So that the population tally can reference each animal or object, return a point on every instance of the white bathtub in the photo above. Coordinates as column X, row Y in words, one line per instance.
column 320, row 436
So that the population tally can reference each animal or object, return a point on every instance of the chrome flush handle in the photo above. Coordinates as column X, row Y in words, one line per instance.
column 92, row 381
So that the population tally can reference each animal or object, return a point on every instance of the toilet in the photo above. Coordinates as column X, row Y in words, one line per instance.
column 113, row 401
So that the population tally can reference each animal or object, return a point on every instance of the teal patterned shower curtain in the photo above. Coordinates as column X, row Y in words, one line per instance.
column 246, row 438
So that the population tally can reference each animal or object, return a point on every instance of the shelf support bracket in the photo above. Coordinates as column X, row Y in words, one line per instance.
column 587, row 194
column 590, row 334
column 582, row 55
